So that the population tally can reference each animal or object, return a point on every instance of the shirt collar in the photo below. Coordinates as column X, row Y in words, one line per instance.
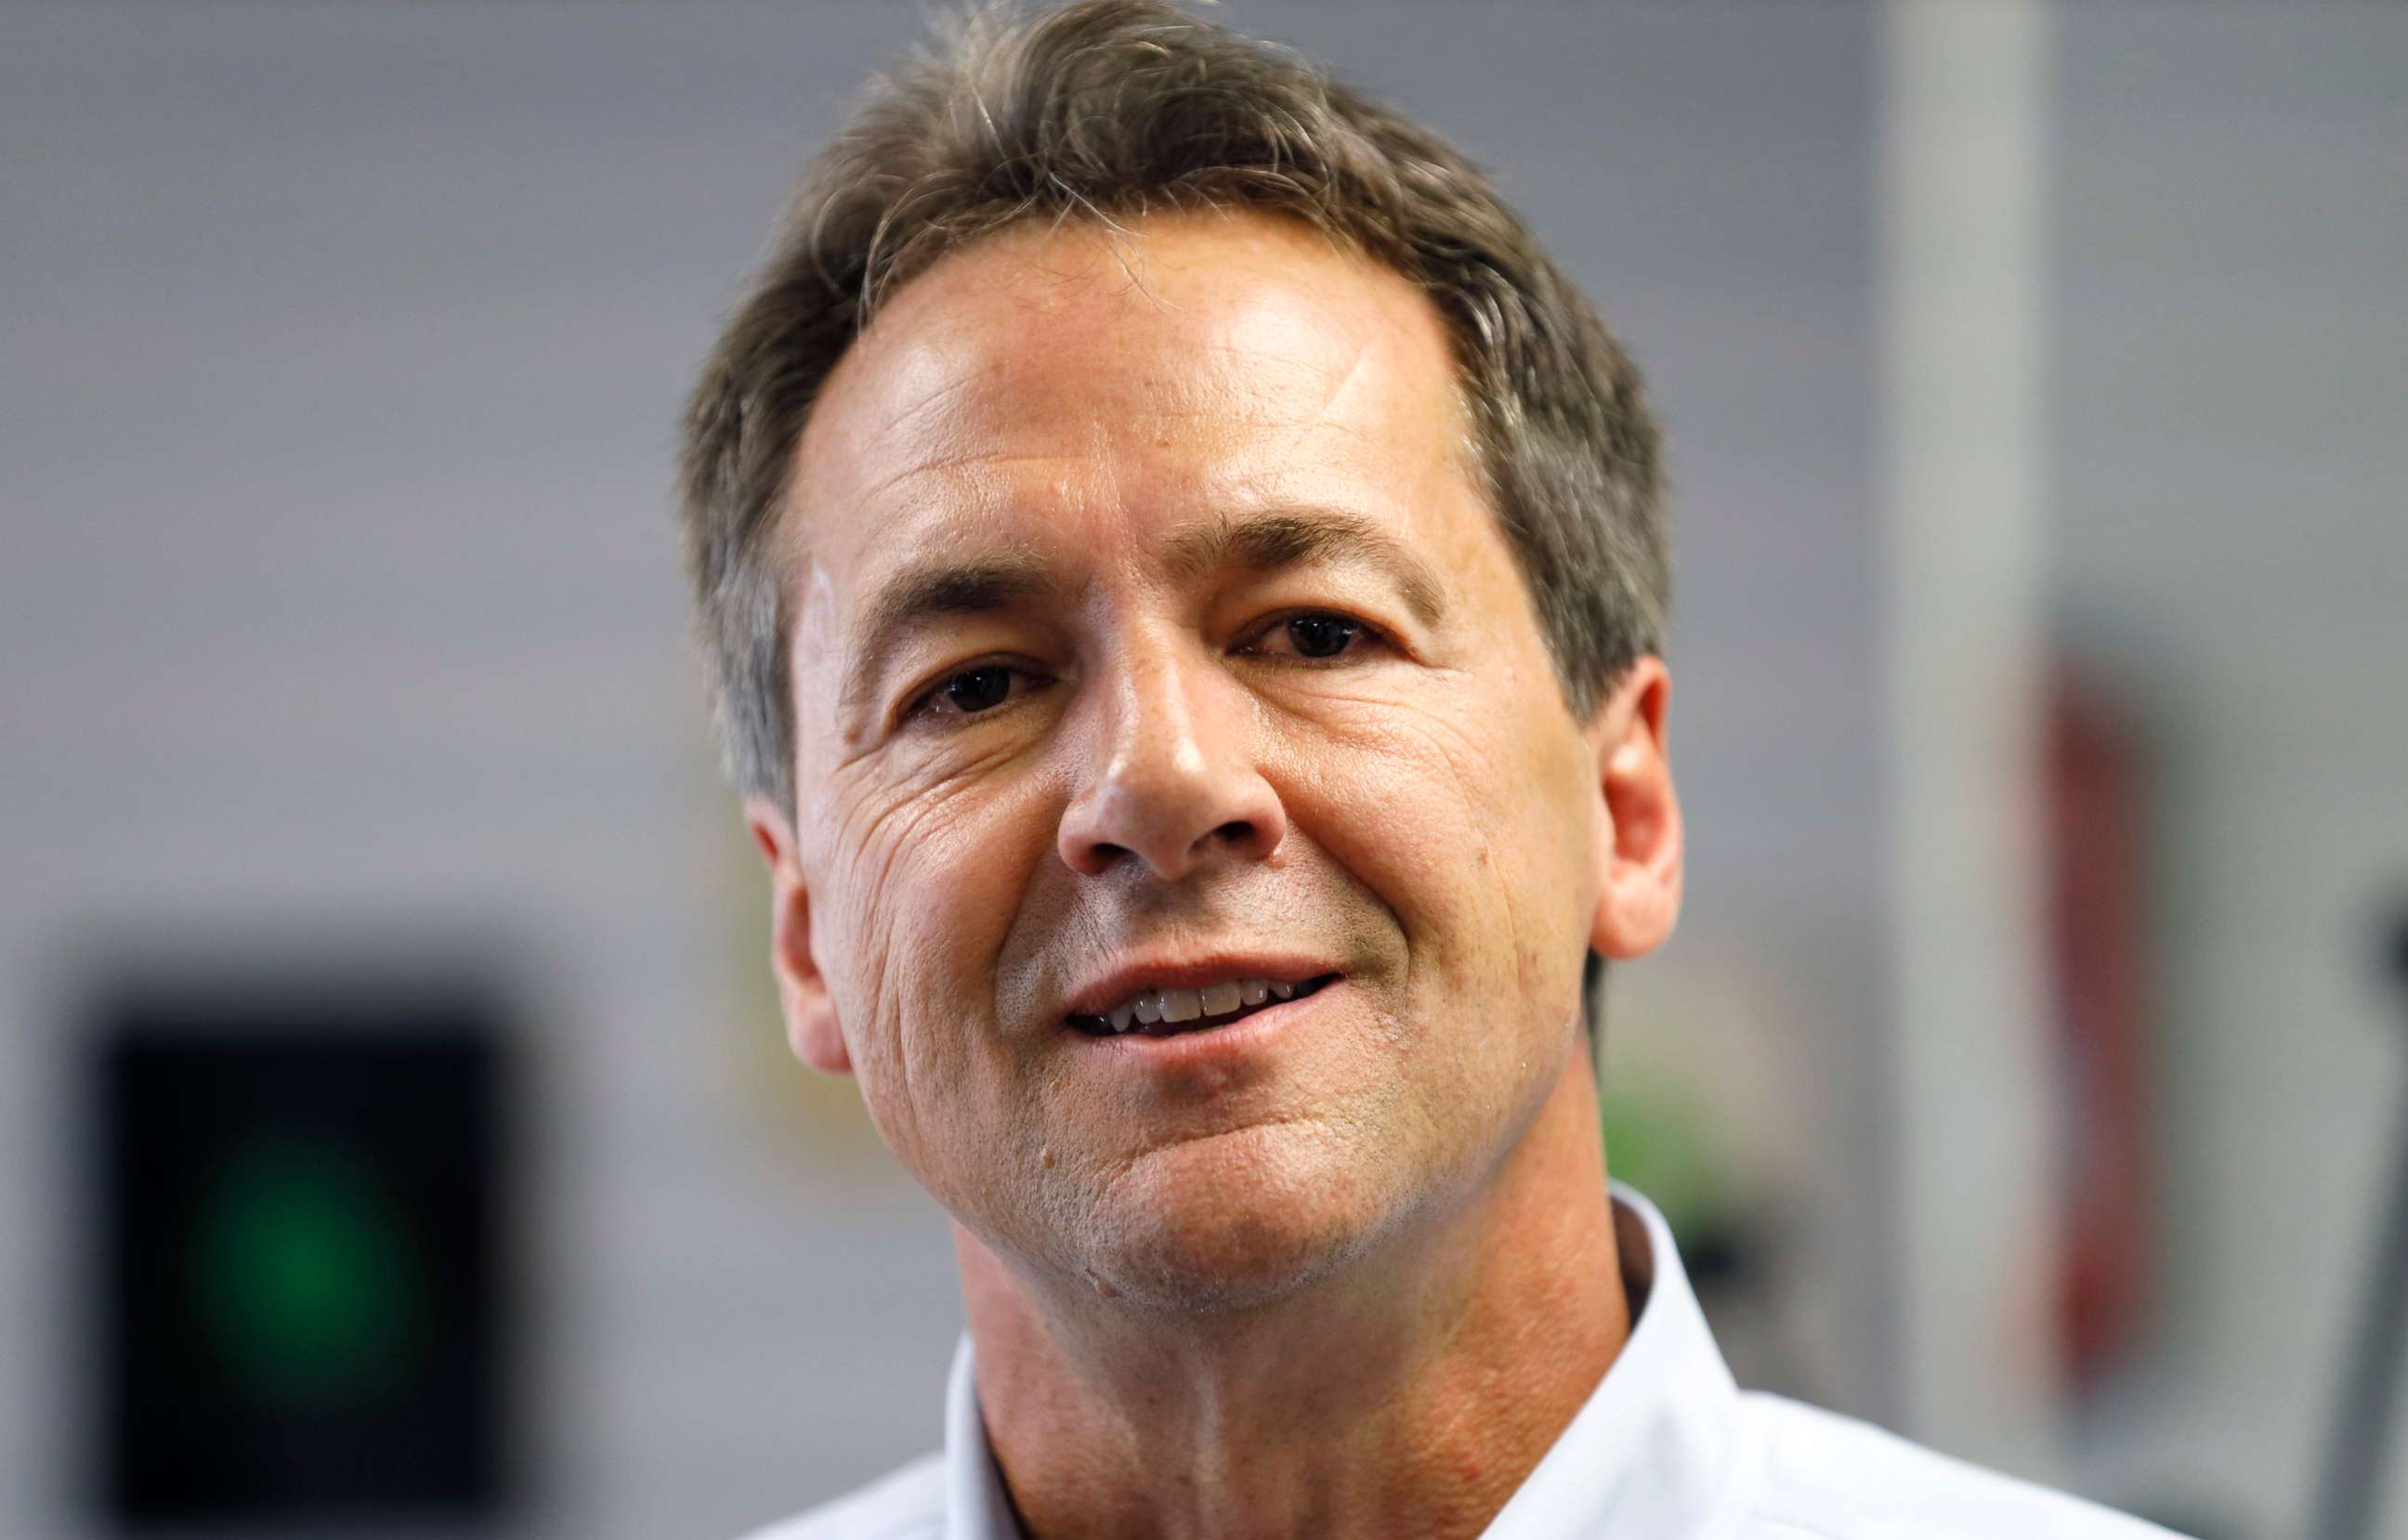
column 976, row 1505
column 1649, row 1453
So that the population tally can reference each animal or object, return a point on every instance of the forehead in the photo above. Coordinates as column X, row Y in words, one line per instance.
column 1078, row 389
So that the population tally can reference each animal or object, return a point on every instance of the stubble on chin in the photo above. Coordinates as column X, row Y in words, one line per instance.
column 1231, row 1222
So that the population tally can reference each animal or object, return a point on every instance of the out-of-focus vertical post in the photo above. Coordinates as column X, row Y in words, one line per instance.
column 2366, row 1420
column 1965, row 140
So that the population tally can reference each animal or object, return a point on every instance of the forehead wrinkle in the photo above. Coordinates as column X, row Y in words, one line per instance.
column 1345, row 382
column 943, row 394
column 962, row 459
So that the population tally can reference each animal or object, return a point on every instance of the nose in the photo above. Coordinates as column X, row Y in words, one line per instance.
column 1172, row 781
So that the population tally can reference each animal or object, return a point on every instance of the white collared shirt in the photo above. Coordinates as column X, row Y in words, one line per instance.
column 1666, row 1447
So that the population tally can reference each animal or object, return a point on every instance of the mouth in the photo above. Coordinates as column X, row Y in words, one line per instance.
column 1167, row 1012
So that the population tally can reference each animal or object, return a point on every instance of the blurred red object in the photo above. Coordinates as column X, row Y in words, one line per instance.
column 2098, row 938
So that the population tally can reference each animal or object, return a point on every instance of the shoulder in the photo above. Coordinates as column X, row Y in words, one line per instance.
column 908, row 1504
column 1828, row 1476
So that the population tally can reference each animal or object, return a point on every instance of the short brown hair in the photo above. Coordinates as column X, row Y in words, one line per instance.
column 1104, row 110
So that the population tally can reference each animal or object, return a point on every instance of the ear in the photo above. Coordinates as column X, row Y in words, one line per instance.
column 812, row 1027
column 1639, row 839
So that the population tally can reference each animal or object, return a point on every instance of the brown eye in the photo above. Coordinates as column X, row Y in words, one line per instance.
column 978, row 689
column 1321, row 635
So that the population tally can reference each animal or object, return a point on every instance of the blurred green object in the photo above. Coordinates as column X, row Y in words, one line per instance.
column 303, row 1276
column 1654, row 1141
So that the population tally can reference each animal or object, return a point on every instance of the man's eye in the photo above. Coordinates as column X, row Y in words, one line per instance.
column 1313, row 637
column 1321, row 635
column 973, row 690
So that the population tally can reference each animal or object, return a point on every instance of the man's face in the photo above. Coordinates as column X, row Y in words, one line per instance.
column 1150, row 633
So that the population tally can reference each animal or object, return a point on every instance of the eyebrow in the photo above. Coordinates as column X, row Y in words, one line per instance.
column 932, row 589
column 1286, row 537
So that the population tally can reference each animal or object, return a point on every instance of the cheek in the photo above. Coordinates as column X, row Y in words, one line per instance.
column 1467, row 813
column 921, row 886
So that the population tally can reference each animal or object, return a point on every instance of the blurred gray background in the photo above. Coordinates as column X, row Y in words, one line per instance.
column 341, row 626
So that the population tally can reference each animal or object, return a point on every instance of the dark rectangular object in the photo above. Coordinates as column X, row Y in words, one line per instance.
column 301, row 1297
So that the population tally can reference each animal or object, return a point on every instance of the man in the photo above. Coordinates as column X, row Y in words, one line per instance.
column 1186, row 584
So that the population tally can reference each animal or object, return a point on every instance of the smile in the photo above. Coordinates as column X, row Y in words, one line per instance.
column 1161, row 1012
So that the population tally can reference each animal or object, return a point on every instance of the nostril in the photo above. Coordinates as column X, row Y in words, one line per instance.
column 1250, row 838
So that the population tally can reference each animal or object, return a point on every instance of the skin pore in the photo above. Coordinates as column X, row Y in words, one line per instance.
column 1147, row 615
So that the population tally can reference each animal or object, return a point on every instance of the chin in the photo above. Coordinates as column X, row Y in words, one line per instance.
column 1211, row 1230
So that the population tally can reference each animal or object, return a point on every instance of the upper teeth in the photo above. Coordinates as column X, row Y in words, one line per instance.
column 1148, row 1006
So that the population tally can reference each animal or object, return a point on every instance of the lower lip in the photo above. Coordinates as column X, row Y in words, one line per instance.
column 1181, row 1048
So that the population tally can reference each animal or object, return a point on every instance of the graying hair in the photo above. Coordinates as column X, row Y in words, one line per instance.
column 1104, row 110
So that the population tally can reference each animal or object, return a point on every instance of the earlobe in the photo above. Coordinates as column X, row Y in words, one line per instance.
column 812, row 1029
column 1638, row 851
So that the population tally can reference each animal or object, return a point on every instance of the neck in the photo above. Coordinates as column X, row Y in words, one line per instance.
column 1407, row 1397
